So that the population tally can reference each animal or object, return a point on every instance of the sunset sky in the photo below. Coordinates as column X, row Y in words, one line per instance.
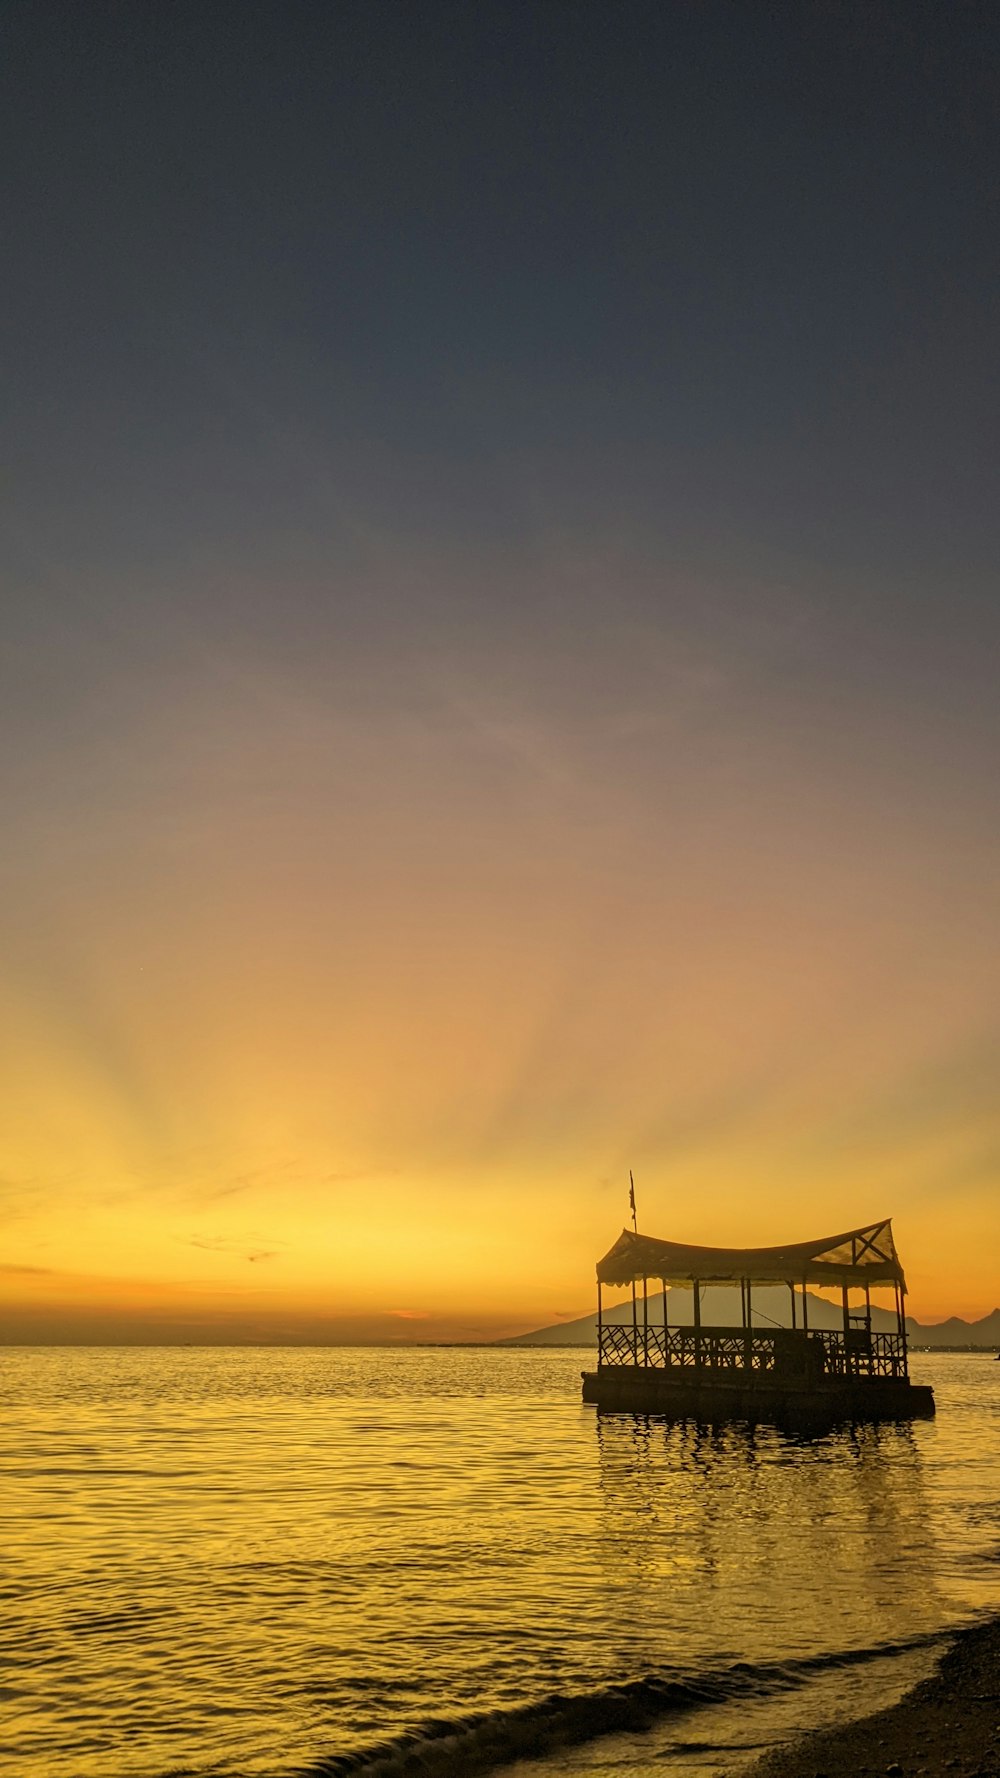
column 501, row 646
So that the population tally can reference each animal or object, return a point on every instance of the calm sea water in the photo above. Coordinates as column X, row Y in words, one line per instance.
column 252, row 1562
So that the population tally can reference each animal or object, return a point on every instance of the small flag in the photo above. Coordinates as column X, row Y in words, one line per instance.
column 631, row 1199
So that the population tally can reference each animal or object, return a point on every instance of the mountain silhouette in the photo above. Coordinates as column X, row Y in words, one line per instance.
column 720, row 1307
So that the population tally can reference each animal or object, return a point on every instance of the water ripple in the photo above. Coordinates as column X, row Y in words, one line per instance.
column 256, row 1561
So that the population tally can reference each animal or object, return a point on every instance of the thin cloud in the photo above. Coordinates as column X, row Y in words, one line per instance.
column 228, row 1244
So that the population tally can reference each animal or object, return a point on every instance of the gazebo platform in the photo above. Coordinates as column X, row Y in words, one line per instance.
column 796, row 1374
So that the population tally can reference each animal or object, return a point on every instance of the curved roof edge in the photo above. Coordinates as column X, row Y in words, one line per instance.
column 861, row 1256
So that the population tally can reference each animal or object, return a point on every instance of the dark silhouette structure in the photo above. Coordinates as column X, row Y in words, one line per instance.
column 747, row 1371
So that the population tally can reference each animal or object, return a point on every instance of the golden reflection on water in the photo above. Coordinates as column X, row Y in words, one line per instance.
column 791, row 1533
column 242, row 1561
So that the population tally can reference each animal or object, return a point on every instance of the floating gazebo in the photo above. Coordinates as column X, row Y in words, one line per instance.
column 743, row 1371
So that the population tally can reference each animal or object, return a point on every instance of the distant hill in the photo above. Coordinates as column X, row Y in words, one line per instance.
column 956, row 1332
column 771, row 1308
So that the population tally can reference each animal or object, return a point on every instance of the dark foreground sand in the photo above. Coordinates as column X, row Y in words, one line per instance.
column 948, row 1725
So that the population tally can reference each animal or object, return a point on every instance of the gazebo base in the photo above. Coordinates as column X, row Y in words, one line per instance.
column 628, row 1389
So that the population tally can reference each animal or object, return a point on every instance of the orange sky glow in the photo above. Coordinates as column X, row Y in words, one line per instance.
column 350, row 1025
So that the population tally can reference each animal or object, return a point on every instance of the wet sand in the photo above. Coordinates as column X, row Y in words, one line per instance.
column 949, row 1725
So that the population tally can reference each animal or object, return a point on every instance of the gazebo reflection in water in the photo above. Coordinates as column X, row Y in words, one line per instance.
column 746, row 1371
column 733, row 1524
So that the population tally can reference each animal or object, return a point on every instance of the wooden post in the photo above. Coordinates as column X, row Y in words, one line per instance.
column 600, row 1323
column 901, row 1323
column 697, row 1323
column 868, row 1308
column 791, row 1292
column 805, row 1307
column 847, row 1312
column 635, row 1329
column 645, row 1322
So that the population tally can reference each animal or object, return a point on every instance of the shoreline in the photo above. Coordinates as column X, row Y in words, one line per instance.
column 948, row 1726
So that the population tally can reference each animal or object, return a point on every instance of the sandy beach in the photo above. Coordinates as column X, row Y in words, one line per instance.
column 949, row 1724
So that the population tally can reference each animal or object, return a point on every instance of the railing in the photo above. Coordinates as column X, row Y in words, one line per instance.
column 862, row 1354
column 788, row 1352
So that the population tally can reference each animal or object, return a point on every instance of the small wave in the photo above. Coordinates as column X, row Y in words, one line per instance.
column 481, row 1742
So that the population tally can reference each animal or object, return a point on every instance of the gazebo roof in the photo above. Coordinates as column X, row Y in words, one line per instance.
column 861, row 1256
